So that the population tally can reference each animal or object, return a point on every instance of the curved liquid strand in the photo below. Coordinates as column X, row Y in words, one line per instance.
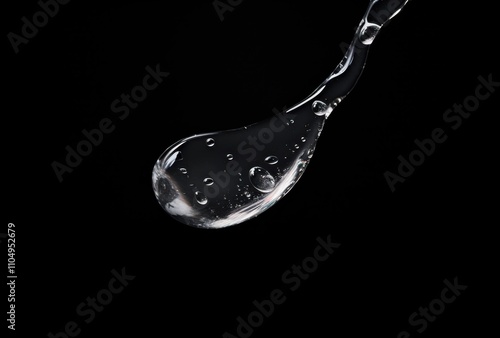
column 219, row 179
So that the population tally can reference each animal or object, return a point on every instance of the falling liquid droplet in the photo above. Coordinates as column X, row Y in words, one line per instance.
column 321, row 109
column 261, row 179
column 266, row 179
column 271, row 160
column 208, row 181
column 210, row 142
column 200, row 198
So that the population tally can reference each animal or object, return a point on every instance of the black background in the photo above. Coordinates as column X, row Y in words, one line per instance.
column 396, row 248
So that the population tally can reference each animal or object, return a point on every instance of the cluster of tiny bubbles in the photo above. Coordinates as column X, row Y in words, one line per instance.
column 259, row 177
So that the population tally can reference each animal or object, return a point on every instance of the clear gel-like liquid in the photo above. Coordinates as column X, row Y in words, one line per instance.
column 219, row 179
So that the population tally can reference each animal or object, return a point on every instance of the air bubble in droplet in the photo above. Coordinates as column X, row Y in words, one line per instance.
column 368, row 33
column 183, row 170
column 230, row 157
column 208, row 181
column 210, row 142
column 271, row 159
column 319, row 107
column 200, row 198
column 261, row 179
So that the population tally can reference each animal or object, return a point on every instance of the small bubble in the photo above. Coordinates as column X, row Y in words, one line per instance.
column 261, row 179
column 183, row 170
column 230, row 157
column 292, row 121
column 271, row 159
column 296, row 146
column 210, row 142
column 208, row 181
column 321, row 109
column 200, row 198
column 303, row 139
column 247, row 194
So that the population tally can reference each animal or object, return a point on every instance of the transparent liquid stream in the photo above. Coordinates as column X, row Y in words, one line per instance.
column 219, row 179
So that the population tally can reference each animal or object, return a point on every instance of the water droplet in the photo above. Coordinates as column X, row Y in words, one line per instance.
column 271, row 159
column 280, row 135
column 210, row 142
column 183, row 170
column 261, row 179
column 200, row 198
column 208, row 181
